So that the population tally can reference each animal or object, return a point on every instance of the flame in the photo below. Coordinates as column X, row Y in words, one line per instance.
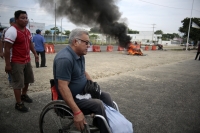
column 134, row 49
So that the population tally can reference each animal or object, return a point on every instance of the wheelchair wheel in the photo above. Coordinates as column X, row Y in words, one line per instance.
column 56, row 117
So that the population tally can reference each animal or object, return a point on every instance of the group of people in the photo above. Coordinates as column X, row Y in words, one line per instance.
column 68, row 69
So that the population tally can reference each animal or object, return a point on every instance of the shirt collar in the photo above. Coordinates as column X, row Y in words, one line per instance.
column 73, row 53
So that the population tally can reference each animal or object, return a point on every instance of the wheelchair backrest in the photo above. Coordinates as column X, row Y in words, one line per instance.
column 54, row 93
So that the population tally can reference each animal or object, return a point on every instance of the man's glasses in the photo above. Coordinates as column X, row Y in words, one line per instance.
column 86, row 42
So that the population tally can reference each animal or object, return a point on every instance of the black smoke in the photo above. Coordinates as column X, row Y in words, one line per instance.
column 101, row 13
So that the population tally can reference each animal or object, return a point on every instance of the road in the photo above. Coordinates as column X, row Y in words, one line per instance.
column 162, row 99
column 104, row 48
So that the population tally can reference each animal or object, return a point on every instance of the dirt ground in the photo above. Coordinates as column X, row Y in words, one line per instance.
column 99, row 65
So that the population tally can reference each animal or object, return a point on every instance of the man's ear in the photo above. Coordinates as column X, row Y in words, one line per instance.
column 75, row 42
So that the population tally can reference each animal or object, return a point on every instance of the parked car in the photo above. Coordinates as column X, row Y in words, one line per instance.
column 186, row 43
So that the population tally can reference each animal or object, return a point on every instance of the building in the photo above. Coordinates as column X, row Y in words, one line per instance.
column 145, row 37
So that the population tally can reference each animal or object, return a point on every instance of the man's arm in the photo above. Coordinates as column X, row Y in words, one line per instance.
column 1, row 49
column 8, row 46
column 79, row 119
column 33, row 51
column 88, row 76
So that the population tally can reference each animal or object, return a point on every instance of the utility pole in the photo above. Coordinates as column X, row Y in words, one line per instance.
column 61, row 29
column 55, row 23
column 189, row 27
column 153, row 32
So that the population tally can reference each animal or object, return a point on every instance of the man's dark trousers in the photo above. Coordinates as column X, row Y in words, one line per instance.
column 43, row 59
column 96, row 106
column 197, row 55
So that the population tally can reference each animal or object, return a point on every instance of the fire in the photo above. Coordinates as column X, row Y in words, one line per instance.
column 134, row 49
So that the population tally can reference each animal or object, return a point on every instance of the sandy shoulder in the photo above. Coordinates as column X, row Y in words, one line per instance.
column 99, row 65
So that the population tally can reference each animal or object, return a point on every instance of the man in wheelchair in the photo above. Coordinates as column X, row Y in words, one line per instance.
column 70, row 79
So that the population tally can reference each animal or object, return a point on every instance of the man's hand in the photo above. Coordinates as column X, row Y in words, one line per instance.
column 79, row 121
column 36, row 58
column 8, row 68
column 1, row 55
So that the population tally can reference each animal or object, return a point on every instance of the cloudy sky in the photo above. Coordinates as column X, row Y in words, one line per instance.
column 140, row 15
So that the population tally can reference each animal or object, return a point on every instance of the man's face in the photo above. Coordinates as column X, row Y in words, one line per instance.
column 82, row 44
column 22, row 20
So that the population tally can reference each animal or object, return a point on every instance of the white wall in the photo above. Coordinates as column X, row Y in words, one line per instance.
column 142, row 37
column 166, row 42
column 33, row 26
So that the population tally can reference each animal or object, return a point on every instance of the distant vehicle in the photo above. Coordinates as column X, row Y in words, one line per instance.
column 186, row 43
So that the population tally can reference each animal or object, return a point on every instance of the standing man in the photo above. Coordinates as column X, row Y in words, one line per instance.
column 198, row 51
column 70, row 79
column 18, row 37
column 39, row 43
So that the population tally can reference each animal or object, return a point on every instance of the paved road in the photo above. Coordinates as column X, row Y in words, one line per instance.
column 162, row 99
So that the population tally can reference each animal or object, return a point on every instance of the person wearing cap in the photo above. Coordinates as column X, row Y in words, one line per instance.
column 39, row 43
column 12, row 22
column 18, row 38
column 1, row 43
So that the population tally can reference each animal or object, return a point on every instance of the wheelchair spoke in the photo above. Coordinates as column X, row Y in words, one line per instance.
column 58, row 122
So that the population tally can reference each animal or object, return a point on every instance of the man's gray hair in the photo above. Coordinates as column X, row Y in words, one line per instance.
column 76, row 33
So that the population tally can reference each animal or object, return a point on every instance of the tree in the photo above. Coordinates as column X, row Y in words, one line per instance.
column 67, row 32
column 194, row 33
column 158, row 32
column 167, row 36
column 47, row 32
column 56, row 30
column 176, row 35
column 130, row 31
column 93, row 38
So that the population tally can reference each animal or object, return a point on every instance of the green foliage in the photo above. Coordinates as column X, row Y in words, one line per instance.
column 47, row 32
column 168, row 36
column 93, row 38
column 158, row 32
column 130, row 31
column 67, row 32
column 56, row 30
column 194, row 32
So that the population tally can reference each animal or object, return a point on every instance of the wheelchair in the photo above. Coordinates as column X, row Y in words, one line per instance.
column 57, row 117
